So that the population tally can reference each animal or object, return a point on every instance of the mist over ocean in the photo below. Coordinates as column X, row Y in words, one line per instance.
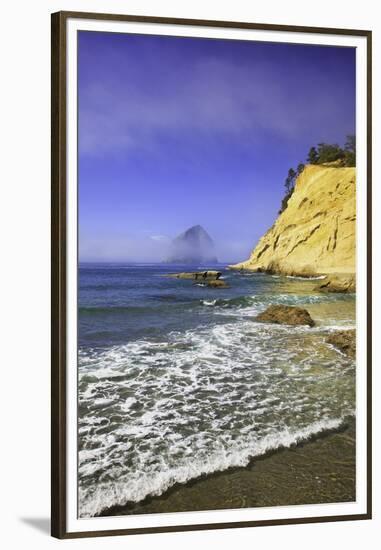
column 178, row 380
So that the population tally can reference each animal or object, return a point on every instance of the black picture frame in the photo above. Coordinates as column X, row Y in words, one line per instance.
column 59, row 259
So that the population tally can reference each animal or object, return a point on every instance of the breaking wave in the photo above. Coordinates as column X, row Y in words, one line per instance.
column 156, row 413
column 261, row 300
column 137, row 487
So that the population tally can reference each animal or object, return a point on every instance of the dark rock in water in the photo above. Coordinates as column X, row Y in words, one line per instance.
column 194, row 246
column 344, row 340
column 208, row 278
column 338, row 283
column 197, row 275
column 286, row 315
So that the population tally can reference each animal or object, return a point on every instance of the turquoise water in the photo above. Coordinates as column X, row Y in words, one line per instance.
column 178, row 380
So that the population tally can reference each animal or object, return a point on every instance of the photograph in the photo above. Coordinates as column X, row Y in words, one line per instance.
column 216, row 293
column 190, row 286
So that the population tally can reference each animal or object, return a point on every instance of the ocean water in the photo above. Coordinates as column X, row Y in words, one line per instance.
column 177, row 380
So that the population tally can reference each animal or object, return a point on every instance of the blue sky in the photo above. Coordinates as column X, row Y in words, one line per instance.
column 175, row 132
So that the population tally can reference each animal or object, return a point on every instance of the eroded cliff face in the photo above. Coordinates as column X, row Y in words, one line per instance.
column 316, row 232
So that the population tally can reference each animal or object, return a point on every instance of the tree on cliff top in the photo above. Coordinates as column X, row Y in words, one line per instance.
column 324, row 153
column 312, row 157
column 289, row 185
column 290, row 180
column 327, row 152
column 350, row 151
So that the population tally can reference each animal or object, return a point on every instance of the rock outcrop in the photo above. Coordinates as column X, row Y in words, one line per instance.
column 344, row 340
column 208, row 278
column 315, row 234
column 217, row 284
column 194, row 246
column 338, row 283
column 197, row 275
column 286, row 315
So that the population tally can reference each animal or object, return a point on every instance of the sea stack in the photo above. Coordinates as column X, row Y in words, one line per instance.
column 316, row 233
column 194, row 246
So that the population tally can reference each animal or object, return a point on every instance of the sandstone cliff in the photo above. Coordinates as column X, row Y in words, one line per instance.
column 315, row 234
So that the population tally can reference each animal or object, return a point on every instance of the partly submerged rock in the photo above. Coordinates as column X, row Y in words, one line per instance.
column 218, row 283
column 197, row 275
column 286, row 315
column 344, row 340
column 338, row 283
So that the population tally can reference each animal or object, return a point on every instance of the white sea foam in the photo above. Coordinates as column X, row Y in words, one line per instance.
column 300, row 278
column 128, row 403
column 203, row 400
column 312, row 278
column 141, row 484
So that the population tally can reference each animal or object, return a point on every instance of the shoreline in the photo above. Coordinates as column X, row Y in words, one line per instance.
column 222, row 482
column 320, row 470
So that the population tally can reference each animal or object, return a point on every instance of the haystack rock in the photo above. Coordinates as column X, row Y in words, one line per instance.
column 194, row 246
column 315, row 234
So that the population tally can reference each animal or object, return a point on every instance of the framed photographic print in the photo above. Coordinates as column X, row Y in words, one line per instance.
column 211, row 298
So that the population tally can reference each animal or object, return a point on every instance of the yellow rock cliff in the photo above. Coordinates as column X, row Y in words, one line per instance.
column 316, row 233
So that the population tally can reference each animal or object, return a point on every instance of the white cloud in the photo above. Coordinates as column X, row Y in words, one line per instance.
column 160, row 238
column 213, row 96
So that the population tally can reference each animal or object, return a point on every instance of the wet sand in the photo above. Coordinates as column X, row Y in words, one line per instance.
column 321, row 470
